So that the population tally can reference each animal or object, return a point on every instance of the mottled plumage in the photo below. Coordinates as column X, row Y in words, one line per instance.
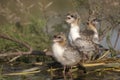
column 65, row 54
column 84, row 41
column 72, row 56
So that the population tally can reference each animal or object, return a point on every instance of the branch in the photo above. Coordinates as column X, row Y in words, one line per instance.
column 4, row 36
column 14, row 53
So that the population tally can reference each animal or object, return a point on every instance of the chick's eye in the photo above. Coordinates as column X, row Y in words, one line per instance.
column 59, row 37
column 72, row 16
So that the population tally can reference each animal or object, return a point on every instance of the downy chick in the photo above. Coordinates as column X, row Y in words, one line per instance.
column 91, row 25
column 82, row 40
column 63, row 53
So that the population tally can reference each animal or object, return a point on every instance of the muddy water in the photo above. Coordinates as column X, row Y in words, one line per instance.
column 45, row 74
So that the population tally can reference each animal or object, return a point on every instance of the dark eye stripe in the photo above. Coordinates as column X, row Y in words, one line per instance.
column 54, row 36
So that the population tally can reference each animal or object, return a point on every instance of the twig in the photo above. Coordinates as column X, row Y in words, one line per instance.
column 22, row 73
column 13, row 59
column 31, row 69
column 4, row 36
column 14, row 54
column 105, row 54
